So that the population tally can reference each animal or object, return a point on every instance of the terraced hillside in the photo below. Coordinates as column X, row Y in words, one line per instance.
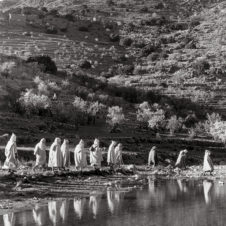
column 169, row 50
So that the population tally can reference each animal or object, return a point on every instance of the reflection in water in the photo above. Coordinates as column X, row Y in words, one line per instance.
column 64, row 209
column 39, row 215
column 161, row 202
column 182, row 185
column 207, row 185
column 94, row 203
column 9, row 219
column 113, row 200
column 54, row 211
column 79, row 206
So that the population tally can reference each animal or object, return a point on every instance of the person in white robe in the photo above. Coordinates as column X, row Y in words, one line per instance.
column 79, row 205
column 9, row 219
column 207, row 163
column 55, row 155
column 80, row 156
column 65, row 154
column 96, row 154
column 181, row 163
column 40, row 153
column 118, row 155
column 11, row 162
column 111, row 154
column 207, row 186
column 152, row 157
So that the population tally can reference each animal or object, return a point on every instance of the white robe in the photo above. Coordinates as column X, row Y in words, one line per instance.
column 40, row 153
column 118, row 156
column 80, row 157
column 10, row 154
column 111, row 154
column 65, row 155
column 207, row 163
column 96, row 156
column 55, row 156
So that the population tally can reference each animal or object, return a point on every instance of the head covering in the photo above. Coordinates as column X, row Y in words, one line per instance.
column 11, row 141
column 96, row 143
column 42, row 144
column 81, row 143
column 119, row 146
column 57, row 140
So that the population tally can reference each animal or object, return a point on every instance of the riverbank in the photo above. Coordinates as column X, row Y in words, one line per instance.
column 25, row 188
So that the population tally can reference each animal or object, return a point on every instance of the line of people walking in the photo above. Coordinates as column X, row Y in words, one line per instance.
column 208, row 166
column 59, row 155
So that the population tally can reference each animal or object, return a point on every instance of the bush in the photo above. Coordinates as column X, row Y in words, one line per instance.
column 126, row 69
column 174, row 124
column 83, row 28
column 114, row 37
column 200, row 66
column 34, row 103
column 148, row 49
column 151, row 116
column 51, row 30
column 85, row 64
column 48, row 64
column 126, row 41
column 115, row 116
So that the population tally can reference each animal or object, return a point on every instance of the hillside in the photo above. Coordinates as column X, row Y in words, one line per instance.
column 108, row 54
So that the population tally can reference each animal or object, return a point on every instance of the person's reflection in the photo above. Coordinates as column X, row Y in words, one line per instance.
column 151, row 186
column 54, row 208
column 182, row 186
column 39, row 215
column 79, row 206
column 64, row 209
column 113, row 199
column 207, row 185
column 9, row 219
column 94, row 203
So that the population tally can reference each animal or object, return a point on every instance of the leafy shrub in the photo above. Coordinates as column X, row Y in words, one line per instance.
column 115, row 116
column 126, row 69
column 34, row 103
column 200, row 66
column 51, row 30
column 83, row 28
column 110, row 2
column 126, row 41
column 6, row 68
column 218, row 131
column 114, row 37
column 151, row 116
column 48, row 64
column 85, row 64
column 148, row 49
column 174, row 124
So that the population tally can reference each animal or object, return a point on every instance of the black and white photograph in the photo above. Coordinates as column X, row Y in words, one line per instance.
column 113, row 112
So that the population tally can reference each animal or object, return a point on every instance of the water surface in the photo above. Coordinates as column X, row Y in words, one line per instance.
column 159, row 202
